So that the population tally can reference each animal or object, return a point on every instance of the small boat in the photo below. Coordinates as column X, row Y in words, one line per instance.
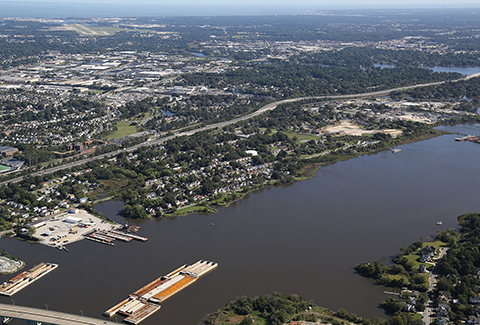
column 212, row 224
column 396, row 150
column 439, row 223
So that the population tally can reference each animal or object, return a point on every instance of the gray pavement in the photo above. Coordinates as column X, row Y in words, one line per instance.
column 48, row 316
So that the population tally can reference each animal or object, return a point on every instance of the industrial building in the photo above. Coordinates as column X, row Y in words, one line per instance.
column 8, row 151
column 13, row 163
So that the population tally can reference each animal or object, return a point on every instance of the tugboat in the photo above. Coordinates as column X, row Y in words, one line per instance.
column 130, row 228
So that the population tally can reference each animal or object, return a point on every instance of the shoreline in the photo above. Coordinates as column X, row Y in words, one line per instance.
column 309, row 171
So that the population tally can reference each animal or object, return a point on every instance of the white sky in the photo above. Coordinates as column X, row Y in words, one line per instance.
column 313, row 3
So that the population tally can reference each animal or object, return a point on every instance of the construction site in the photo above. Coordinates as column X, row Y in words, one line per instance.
column 146, row 301
column 26, row 278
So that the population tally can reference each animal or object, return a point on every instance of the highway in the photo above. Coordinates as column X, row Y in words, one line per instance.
column 48, row 316
column 262, row 110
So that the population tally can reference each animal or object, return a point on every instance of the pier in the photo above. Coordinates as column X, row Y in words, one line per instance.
column 41, row 316
column 129, row 235
column 145, row 301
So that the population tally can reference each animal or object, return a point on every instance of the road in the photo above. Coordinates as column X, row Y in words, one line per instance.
column 430, row 306
column 44, row 316
column 262, row 110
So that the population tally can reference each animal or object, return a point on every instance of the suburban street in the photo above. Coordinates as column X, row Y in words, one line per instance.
column 430, row 308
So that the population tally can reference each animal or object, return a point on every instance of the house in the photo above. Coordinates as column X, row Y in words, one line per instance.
column 442, row 312
column 476, row 299
column 408, row 307
column 442, row 320
column 428, row 252
column 423, row 268
column 473, row 320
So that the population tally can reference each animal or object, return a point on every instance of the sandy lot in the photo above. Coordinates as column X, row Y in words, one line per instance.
column 415, row 117
column 8, row 266
column 59, row 232
column 352, row 129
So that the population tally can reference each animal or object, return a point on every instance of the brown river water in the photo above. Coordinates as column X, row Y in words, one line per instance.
column 304, row 238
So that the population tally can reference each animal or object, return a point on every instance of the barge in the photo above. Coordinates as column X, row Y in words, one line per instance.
column 145, row 301
column 26, row 278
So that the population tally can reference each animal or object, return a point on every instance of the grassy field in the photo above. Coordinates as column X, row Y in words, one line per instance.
column 301, row 137
column 415, row 257
column 123, row 129
column 112, row 187
column 226, row 200
column 115, row 184
column 192, row 209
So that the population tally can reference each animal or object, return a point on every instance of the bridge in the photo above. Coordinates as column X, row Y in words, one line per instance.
column 37, row 316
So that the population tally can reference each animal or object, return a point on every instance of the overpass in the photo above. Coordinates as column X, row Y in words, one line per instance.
column 37, row 316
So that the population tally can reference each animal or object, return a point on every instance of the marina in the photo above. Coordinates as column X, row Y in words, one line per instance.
column 26, row 278
column 145, row 301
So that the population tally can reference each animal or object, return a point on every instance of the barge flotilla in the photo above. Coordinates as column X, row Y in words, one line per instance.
column 464, row 138
column 26, row 278
column 145, row 301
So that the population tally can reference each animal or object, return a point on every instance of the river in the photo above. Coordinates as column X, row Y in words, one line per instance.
column 304, row 238
column 467, row 71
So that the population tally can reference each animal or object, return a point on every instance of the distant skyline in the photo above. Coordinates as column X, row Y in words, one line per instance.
column 130, row 8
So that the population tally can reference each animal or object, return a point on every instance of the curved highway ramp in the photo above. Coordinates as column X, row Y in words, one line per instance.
column 42, row 316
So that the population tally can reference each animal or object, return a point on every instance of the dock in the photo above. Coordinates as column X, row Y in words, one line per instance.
column 118, row 236
column 26, row 278
column 145, row 301
column 101, row 238
column 129, row 235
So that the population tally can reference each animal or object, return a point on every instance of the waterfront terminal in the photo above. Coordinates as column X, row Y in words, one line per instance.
column 75, row 225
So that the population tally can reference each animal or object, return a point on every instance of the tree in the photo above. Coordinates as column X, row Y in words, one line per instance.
column 392, row 306
column 246, row 321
